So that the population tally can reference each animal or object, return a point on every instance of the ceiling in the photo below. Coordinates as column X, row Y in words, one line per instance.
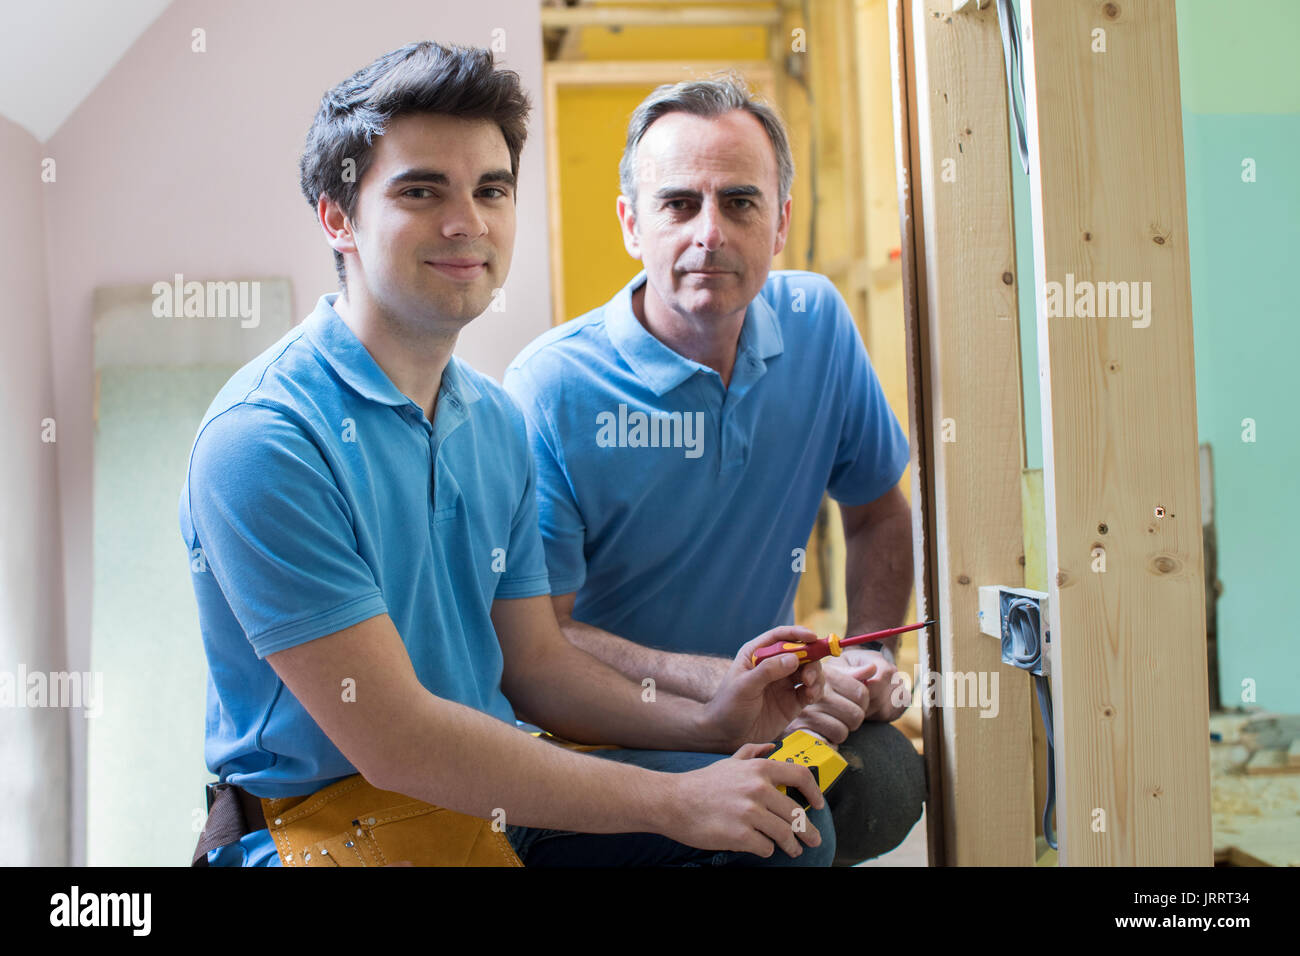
column 54, row 52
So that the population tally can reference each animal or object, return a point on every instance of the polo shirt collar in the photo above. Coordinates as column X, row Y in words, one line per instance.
column 761, row 333
column 662, row 369
column 341, row 348
column 456, row 384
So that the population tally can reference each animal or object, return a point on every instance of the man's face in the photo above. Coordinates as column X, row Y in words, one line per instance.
column 708, row 221
column 435, row 221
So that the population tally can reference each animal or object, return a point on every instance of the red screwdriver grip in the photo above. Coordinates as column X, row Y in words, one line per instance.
column 812, row 651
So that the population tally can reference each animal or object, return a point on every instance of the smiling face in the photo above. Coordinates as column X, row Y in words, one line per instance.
column 434, row 228
column 708, row 219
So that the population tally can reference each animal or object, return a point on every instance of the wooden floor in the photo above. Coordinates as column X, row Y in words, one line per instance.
column 1256, row 817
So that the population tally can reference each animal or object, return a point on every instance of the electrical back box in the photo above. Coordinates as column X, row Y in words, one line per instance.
column 994, row 601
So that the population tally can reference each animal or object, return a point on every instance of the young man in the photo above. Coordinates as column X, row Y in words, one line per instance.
column 686, row 431
column 360, row 514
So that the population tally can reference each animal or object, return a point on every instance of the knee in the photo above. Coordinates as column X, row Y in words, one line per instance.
column 879, row 797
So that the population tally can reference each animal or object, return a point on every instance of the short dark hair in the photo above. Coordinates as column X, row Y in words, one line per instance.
column 421, row 77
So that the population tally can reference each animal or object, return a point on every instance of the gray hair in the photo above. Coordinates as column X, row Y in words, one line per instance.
column 709, row 97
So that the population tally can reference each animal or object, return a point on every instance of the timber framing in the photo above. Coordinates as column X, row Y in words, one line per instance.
column 967, row 433
column 1120, row 459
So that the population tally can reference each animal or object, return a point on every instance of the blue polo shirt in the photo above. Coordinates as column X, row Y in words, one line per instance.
column 318, row 496
column 678, row 508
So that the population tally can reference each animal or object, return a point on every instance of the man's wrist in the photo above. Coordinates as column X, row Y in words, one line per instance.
column 858, row 653
column 660, row 803
column 886, row 645
column 707, row 737
column 700, row 675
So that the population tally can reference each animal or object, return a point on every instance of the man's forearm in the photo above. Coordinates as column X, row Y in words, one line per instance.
column 401, row 737
column 576, row 695
column 878, row 575
column 695, row 676
column 456, row 757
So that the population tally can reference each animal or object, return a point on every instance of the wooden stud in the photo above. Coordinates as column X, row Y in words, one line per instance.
column 967, row 443
column 1119, row 434
column 719, row 16
column 912, row 272
column 848, row 119
column 555, row 239
column 653, row 72
column 798, row 120
column 878, row 270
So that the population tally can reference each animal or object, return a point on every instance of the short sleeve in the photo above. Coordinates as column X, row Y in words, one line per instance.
column 275, row 530
column 872, row 451
column 563, row 531
column 526, row 574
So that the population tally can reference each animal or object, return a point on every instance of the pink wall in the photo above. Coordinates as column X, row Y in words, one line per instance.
column 33, row 742
column 188, row 162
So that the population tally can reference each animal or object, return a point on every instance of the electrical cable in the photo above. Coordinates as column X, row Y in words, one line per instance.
column 1014, row 57
column 1023, row 648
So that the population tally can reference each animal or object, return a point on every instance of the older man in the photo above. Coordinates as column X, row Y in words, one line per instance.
column 686, row 431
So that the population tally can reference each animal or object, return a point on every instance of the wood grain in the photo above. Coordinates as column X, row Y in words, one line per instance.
column 1119, row 437
column 960, row 283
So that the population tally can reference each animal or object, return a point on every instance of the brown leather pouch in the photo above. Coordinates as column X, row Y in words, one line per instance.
column 351, row 823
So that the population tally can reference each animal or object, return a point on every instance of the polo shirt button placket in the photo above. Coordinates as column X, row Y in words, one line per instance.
column 433, row 476
column 416, row 414
column 734, row 448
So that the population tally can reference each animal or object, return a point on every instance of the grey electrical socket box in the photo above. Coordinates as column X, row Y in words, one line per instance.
column 994, row 602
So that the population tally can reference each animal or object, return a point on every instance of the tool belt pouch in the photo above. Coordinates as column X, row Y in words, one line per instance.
column 351, row 823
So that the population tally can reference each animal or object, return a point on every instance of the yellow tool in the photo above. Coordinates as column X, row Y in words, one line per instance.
column 550, row 738
column 814, row 753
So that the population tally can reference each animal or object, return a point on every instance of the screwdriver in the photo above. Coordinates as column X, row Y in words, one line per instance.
column 816, row 650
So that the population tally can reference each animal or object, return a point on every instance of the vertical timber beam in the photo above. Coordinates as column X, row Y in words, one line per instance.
column 962, row 320
column 1119, row 433
column 918, row 386
column 884, row 331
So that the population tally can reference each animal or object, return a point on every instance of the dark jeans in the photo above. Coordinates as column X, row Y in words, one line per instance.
column 877, row 800
column 566, row 848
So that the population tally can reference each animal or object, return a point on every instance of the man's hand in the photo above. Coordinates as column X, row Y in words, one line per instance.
column 842, row 707
column 754, row 703
column 861, row 685
column 889, row 695
column 734, row 804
